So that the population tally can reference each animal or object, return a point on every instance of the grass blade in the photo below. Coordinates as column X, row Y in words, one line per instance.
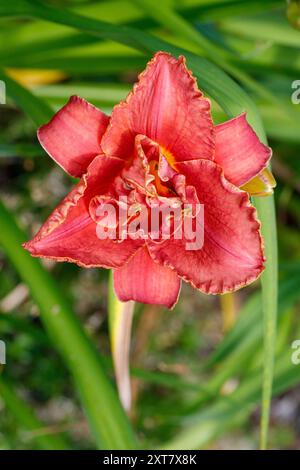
column 37, row 109
column 269, row 281
column 222, row 57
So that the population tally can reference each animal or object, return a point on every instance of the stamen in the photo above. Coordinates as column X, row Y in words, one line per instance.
column 162, row 188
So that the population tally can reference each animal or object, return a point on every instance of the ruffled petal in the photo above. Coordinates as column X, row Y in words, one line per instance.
column 231, row 255
column 166, row 106
column 72, row 137
column 70, row 234
column 239, row 151
column 143, row 280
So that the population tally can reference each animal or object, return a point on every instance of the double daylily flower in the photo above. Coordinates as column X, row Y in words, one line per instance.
column 158, row 145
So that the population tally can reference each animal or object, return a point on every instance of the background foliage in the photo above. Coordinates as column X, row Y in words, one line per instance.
column 195, row 385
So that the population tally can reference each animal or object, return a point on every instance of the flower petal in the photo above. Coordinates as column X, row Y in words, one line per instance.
column 231, row 255
column 70, row 233
column 143, row 280
column 72, row 137
column 167, row 107
column 239, row 151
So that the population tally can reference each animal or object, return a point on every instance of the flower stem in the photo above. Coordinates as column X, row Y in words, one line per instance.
column 120, row 323
column 227, row 302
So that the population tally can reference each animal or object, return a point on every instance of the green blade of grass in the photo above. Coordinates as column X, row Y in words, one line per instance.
column 269, row 281
column 37, row 109
column 275, row 29
column 168, row 18
column 22, row 40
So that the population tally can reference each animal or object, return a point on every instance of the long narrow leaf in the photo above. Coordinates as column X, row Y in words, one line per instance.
column 37, row 109
column 269, row 293
column 173, row 21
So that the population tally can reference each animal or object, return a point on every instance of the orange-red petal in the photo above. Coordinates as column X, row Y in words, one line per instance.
column 70, row 234
column 239, row 151
column 143, row 280
column 232, row 255
column 167, row 107
column 72, row 137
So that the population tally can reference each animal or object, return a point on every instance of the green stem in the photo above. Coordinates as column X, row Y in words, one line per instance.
column 120, row 316
column 227, row 302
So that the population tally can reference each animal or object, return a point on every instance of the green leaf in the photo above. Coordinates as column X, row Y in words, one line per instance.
column 274, row 29
column 224, row 58
column 269, row 281
column 36, row 109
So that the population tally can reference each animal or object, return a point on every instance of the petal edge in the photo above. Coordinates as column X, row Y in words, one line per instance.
column 144, row 280
column 72, row 137
column 239, row 151
column 167, row 107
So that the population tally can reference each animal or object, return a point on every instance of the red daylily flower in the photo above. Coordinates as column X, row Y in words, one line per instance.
column 158, row 145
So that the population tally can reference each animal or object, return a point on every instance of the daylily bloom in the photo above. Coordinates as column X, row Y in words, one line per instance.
column 158, row 145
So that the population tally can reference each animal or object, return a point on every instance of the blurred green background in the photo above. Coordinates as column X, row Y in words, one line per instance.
column 196, row 371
